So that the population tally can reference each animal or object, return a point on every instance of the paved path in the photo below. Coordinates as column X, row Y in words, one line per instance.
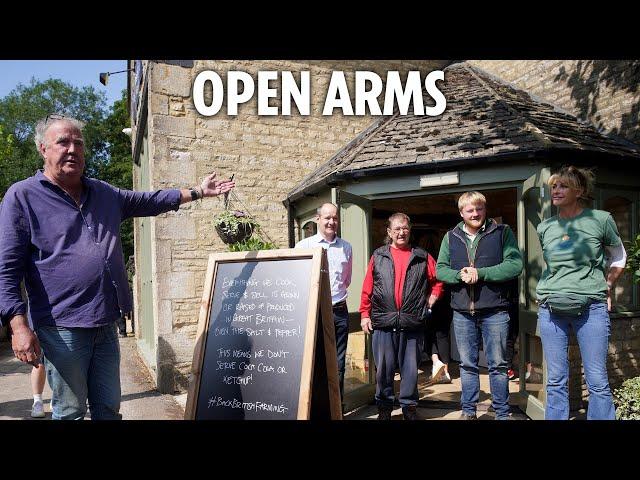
column 140, row 399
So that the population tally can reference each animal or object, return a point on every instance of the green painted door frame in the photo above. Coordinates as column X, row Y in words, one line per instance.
column 534, row 206
column 355, row 227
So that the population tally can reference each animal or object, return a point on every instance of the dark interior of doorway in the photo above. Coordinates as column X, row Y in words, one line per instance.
column 432, row 216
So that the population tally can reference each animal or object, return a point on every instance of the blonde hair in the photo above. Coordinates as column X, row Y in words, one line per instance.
column 470, row 198
column 579, row 179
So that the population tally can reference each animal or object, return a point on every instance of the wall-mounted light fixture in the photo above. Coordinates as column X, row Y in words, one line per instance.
column 104, row 76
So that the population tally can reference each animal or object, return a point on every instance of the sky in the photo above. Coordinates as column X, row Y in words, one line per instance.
column 79, row 73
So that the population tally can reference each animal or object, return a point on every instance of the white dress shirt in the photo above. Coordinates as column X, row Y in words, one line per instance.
column 340, row 262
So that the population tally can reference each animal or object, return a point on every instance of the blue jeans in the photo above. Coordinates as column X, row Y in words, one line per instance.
column 390, row 351
column 341, row 322
column 494, row 329
column 592, row 329
column 82, row 364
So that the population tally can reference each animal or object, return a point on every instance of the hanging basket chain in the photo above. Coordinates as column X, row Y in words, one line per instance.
column 226, row 196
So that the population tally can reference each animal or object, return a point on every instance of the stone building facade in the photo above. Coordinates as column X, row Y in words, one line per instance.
column 268, row 155
column 271, row 155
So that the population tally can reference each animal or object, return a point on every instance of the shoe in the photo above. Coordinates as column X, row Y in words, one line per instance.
column 410, row 413
column 446, row 378
column 467, row 416
column 37, row 410
column 437, row 370
column 384, row 413
column 511, row 374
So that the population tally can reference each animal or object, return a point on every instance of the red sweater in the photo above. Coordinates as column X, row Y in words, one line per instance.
column 400, row 263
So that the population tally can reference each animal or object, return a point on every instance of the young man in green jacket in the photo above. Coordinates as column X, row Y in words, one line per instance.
column 478, row 259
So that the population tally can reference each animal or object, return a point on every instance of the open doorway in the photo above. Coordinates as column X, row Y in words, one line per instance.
column 431, row 217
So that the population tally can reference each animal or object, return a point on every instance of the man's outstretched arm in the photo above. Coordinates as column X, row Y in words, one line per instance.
column 149, row 204
column 210, row 187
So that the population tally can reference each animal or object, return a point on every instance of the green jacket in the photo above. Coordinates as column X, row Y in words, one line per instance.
column 510, row 267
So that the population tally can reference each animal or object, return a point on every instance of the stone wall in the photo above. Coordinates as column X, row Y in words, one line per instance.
column 623, row 361
column 269, row 155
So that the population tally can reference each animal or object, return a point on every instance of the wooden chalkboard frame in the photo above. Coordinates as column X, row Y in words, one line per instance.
column 325, row 385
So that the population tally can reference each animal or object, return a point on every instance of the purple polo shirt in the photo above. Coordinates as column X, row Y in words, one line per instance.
column 70, row 257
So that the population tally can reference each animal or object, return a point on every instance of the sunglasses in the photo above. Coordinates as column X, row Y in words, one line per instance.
column 54, row 116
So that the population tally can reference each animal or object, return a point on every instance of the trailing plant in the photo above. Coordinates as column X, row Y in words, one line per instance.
column 250, row 244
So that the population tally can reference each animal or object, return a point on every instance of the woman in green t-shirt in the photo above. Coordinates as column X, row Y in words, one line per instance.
column 574, row 292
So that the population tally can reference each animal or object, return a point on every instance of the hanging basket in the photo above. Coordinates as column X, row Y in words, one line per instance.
column 234, row 226
column 238, row 234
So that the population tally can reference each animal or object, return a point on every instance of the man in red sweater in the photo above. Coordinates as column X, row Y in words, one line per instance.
column 399, row 289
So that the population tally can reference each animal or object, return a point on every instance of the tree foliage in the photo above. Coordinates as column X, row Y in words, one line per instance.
column 117, row 168
column 6, row 150
column 107, row 149
column 26, row 104
column 6, row 143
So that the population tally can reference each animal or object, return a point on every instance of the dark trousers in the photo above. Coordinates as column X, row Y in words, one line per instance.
column 397, row 350
column 437, row 336
column 341, row 322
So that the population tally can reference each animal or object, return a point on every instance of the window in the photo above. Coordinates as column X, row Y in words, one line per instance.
column 309, row 229
column 621, row 206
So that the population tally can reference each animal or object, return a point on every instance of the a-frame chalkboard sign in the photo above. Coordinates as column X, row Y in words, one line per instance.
column 265, row 346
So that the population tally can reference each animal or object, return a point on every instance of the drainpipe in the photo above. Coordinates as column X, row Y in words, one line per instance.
column 290, row 227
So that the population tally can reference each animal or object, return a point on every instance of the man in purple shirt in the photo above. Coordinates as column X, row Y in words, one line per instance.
column 60, row 232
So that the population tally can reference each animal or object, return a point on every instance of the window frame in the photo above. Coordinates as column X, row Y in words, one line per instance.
column 602, row 193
